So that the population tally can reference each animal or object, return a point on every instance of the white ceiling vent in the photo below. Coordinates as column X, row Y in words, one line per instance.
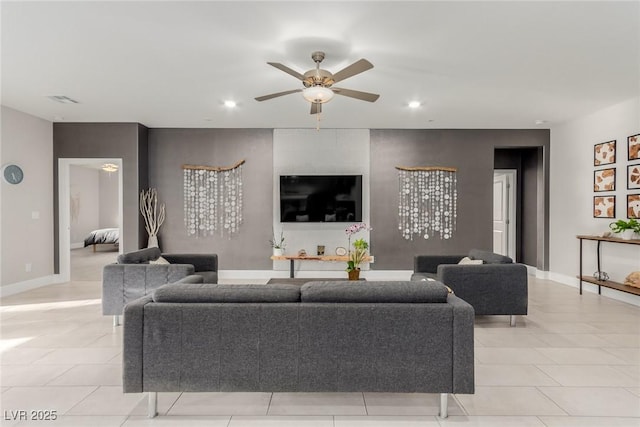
column 62, row 99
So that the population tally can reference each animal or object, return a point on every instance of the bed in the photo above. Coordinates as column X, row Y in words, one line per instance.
column 103, row 236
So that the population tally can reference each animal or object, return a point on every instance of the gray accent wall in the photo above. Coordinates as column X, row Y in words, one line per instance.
column 169, row 149
column 472, row 153
column 525, row 161
column 154, row 158
column 105, row 140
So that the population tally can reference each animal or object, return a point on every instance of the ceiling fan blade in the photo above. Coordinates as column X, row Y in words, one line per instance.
column 275, row 95
column 364, row 96
column 287, row 70
column 353, row 69
column 316, row 108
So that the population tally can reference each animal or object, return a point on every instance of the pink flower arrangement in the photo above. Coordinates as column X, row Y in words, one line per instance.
column 353, row 229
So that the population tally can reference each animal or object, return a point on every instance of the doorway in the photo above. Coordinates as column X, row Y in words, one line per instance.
column 504, row 212
column 68, row 205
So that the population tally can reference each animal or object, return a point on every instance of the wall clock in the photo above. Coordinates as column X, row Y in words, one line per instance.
column 13, row 174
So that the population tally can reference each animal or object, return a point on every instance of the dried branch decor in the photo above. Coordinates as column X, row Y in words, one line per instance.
column 153, row 216
column 212, row 199
column 427, row 201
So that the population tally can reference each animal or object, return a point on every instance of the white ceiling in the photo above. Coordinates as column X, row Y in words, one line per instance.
column 173, row 64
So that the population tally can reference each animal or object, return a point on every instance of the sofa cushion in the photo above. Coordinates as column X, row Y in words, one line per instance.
column 489, row 257
column 143, row 256
column 372, row 292
column 208, row 292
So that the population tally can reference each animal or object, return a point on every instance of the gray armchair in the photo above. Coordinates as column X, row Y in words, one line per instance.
column 498, row 286
column 136, row 274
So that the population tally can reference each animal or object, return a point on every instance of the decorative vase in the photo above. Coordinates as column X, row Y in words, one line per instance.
column 626, row 235
column 278, row 251
column 153, row 242
column 354, row 274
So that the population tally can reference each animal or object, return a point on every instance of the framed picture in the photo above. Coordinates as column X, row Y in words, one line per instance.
column 604, row 153
column 633, row 177
column 633, row 147
column 633, row 206
column 604, row 207
column 604, row 180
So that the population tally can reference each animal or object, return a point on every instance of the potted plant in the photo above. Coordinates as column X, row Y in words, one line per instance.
column 277, row 244
column 626, row 229
column 356, row 257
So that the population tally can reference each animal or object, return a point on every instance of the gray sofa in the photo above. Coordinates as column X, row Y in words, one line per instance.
column 135, row 274
column 322, row 337
column 496, row 287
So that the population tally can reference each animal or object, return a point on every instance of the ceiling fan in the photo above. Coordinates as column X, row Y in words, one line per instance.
column 318, row 83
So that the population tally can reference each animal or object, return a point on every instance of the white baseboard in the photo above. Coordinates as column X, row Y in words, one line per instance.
column 27, row 285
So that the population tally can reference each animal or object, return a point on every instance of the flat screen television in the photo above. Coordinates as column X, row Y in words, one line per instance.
column 321, row 198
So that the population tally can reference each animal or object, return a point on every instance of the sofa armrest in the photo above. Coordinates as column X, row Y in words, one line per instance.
column 133, row 342
column 430, row 263
column 201, row 262
column 489, row 288
column 463, row 345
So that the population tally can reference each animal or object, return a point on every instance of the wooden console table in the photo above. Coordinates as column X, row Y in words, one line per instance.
column 606, row 283
column 293, row 258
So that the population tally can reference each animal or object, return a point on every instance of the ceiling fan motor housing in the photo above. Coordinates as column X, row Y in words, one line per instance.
column 318, row 77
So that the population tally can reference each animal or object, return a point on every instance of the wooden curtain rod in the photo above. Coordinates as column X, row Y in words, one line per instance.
column 213, row 168
column 426, row 168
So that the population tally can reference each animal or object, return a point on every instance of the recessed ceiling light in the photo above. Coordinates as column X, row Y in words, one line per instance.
column 230, row 104
column 540, row 122
column 414, row 104
column 62, row 99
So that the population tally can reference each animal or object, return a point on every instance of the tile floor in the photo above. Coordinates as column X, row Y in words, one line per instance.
column 574, row 361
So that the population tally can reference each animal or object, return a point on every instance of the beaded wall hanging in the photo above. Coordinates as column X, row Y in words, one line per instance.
column 212, row 199
column 427, row 202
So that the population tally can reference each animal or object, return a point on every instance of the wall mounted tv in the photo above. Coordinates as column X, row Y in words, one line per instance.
column 321, row 198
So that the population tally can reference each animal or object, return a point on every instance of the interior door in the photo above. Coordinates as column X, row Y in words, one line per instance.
column 504, row 212
column 500, row 214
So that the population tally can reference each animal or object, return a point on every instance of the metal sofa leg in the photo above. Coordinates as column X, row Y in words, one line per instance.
column 444, row 402
column 512, row 320
column 153, row 404
column 116, row 320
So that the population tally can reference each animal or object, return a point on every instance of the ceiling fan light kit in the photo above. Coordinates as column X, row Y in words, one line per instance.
column 319, row 94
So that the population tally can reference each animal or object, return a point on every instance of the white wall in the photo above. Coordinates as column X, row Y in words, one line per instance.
column 571, row 195
column 109, row 215
column 27, row 208
column 84, row 188
column 94, row 201
column 313, row 152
